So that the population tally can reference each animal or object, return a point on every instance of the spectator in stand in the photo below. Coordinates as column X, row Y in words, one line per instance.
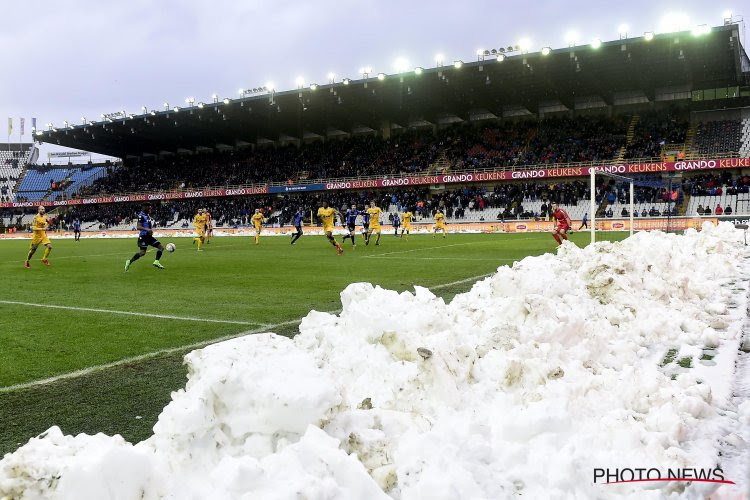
column 609, row 213
column 643, row 213
column 700, row 210
column 718, row 210
column 728, row 210
column 624, row 212
column 707, row 211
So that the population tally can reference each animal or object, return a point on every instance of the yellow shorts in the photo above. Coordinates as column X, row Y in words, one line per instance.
column 439, row 226
column 407, row 227
column 375, row 229
column 258, row 228
column 39, row 237
column 201, row 232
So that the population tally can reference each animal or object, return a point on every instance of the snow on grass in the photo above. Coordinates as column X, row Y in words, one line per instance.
column 519, row 387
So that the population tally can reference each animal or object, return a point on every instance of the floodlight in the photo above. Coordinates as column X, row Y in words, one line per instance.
column 300, row 82
column 190, row 101
column 622, row 30
column 153, row 113
column 176, row 109
column 648, row 36
column 546, row 51
column 418, row 70
column 166, row 107
column 368, row 70
column 701, row 29
column 331, row 77
column 674, row 21
column 381, row 76
column 144, row 109
column 457, row 64
column 313, row 86
column 401, row 65
column 500, row 57
column 524, row 44
column 226, row 100
column 439, row 59
column 571, row 38
column 480, row 52
column 596, row 43
column 346, row 81
column 200, row 105
column 270, row 86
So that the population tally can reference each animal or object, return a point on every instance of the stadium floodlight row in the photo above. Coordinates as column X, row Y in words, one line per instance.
column 662, row 69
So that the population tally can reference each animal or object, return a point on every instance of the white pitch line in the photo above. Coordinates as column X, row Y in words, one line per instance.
column 196, row 345
column 140, row 357
column 132, row 313
column 422, row 249
column 443, row 258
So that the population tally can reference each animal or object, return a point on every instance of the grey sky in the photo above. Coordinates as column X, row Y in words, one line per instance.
column 71, row 58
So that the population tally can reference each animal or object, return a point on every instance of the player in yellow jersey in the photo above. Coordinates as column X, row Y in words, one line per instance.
column 326, row 216
column 257, row 220
column 374, row 223
column 39, row 236
column 200, row 228
column 439, row 223
column 406, row 217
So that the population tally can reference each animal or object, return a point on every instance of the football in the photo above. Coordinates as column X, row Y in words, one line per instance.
column 170, row 247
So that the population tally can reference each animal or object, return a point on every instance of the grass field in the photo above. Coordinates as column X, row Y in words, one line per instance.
column 113, row 342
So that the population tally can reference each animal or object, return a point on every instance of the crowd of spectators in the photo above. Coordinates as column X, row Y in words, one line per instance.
column 459, row 147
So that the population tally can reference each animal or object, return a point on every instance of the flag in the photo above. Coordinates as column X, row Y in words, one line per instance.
column 23, row 125
column 33, row 123
column 10, row 126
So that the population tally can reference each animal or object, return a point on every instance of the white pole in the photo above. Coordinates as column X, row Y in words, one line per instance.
column 632, row 207
column 592, row 206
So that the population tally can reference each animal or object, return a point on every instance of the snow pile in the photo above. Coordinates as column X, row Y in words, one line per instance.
column 519, row 387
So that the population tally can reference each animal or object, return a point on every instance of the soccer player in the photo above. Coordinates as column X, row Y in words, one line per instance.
column 146, row 238
column 199, row 221
column 209, row 225
column 299, row 219
column 39, row 236
column 439, row 223
column 407, row 216
column 77, row 229
column 563, row 223
column 326, row 215
column 351, row 224
column 257, row 220
column 365, row 225
column 585, row 221
column 396, row 222
column 374, row 223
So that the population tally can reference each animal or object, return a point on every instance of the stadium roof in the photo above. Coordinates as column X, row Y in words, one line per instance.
column 618, row 72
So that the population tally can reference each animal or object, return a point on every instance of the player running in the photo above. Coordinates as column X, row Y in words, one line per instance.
column 209, row 225
column 39, row 236
column 351, row 224
column 563, row 223
column 76, row 229
column 407, row 216
column 374, row 223
column 257, row 220
column 146, row 238
column 439, row 223
column 365, row 225
column 200, row 228
column 326, row 216
column 299, row 219
column 396, row 222
column 585, row 221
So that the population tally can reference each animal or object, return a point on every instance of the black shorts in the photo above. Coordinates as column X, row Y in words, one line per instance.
column 351, row 227
column 298, row 228
column 366, row 227
column 76, row 230
column 148, row 240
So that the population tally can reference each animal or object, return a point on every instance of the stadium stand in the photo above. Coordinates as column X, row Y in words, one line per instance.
column 53, row 183
column 719, row 136
column 12, row 164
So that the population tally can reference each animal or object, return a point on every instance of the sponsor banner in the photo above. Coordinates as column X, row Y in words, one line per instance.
column 542, row 173
column 734, row 219
column 296, row 188
column 67, row 154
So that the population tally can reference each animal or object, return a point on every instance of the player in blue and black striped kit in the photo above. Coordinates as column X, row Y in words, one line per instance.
column 299, row 219
column 351, row 224
column 365, row 226
column 146, row 238
column 77, row 229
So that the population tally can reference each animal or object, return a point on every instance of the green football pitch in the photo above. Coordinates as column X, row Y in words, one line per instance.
column 91, row 348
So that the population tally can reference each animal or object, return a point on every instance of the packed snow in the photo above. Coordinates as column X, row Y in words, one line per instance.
column 520, row 387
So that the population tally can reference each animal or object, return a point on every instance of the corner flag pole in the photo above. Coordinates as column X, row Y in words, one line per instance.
column 632, row 209
column 592, row 207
